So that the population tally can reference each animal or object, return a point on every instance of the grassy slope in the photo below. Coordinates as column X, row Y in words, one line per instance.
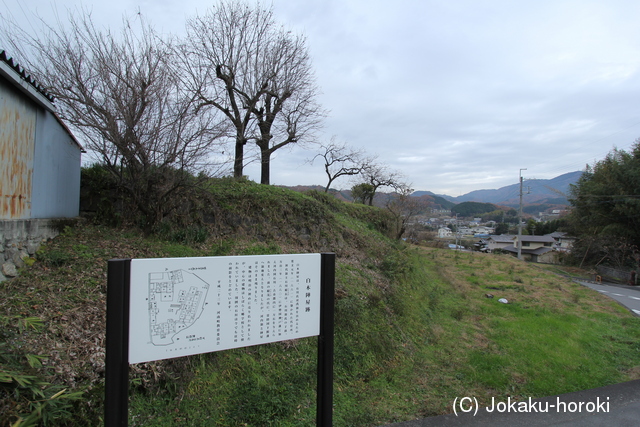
column 414, row 328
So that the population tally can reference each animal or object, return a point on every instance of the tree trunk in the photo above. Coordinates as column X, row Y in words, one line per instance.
column 239, row 158
column 265, row 166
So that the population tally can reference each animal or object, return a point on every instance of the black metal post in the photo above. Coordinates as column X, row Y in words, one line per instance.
column 116, row 399
column 324, row 414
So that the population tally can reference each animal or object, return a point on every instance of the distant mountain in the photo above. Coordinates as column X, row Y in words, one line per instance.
column 538, row 194
column 438, row 202
column 535, row 191
column 428, row 193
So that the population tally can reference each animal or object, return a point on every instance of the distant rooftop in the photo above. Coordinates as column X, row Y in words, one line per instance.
column 504, row 238
column 541, row 239
column 538, row 251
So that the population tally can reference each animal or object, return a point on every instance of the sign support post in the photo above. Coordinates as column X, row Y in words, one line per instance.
column 116, row 402
column 324, row 414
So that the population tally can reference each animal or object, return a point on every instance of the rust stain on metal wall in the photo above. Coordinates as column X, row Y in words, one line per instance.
column 17, row 139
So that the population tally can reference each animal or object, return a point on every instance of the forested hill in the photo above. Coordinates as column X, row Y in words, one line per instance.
column 466, row 209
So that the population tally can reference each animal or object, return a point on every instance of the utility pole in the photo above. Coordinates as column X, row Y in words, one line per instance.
column 520, row 219
column 456, row 231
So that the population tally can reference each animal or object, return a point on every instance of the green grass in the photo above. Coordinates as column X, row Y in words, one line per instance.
column 409, row 350
column 253, row 386
column 414, row 326
column 543, row 343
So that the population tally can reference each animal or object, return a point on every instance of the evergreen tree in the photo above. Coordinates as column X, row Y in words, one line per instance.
column 606, row 208
column 362, row 192
column 502, row 228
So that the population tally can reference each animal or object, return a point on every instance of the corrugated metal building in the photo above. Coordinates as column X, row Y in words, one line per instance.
column 39, row 157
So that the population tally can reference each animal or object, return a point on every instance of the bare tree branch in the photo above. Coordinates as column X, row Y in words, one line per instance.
column 341, row 160
column 288, row 112
column 379, row 175
column 122, row 91
column 257, row 74
column 224, row 57
column 402, row 206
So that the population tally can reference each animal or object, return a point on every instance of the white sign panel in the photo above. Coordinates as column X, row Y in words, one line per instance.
column 185, row 306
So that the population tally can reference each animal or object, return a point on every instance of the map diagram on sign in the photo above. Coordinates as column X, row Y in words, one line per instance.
column 184, row 306
column 176, row 300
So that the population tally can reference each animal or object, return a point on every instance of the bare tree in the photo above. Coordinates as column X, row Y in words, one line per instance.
column 378, row 175
column 341, row 160
column 122, row 92
column 287, row 112
column 402, row 206
column 223, row 57
column 257, row 74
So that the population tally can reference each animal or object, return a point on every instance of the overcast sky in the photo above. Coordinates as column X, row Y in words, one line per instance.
column 458, row 95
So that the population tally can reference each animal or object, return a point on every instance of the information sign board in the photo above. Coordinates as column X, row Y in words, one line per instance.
column 185, row 306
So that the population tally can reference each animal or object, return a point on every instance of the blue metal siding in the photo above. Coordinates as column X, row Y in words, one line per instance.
column 56, row 174
column 17, row 131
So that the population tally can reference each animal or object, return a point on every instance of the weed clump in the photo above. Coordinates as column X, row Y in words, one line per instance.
column 26, row 398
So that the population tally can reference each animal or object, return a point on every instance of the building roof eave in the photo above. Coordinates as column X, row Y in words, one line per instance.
column 26, row 84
